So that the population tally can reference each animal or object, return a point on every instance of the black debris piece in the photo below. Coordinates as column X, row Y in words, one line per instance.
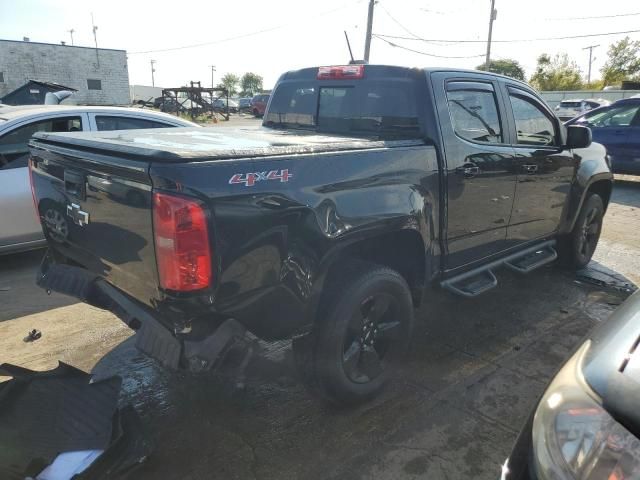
column 33, row 335
column 43, row 414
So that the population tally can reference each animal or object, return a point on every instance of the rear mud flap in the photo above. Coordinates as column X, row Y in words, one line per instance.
column 44, row 414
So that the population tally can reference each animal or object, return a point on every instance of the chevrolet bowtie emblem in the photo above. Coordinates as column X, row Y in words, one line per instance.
column 78, row 216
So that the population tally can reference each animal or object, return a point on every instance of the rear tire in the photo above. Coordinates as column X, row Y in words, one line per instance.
column 363, row 328
column 577, row 248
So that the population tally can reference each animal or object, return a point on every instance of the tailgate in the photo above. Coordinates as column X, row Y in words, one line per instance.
column 96, row 211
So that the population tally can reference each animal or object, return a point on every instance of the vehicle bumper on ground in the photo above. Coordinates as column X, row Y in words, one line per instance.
column 154, row 336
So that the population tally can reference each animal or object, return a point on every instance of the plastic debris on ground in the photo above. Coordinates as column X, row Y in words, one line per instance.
column 58, row 425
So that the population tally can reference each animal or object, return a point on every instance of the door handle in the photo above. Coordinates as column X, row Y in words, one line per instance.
column 530, row 168
column 469, row 170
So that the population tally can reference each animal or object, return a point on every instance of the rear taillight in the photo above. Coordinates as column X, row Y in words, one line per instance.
column 183, row 253
column 341, row 72
column 33, row 190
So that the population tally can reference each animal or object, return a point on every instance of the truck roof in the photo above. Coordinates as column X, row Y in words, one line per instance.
column 209, row 143
column 396, row 70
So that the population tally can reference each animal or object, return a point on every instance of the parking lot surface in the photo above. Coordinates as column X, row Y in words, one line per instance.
column 474, row 371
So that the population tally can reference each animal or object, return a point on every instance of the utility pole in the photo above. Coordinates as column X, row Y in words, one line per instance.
column 367, row 40
column 71, row 33
column 95, row 39
column 492, row 17
column 591, row 60
column 213, row 69
column 153, row 81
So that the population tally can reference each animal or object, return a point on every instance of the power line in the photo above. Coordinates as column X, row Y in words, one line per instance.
column 214, row 42
column 236, row 37
column 397, row 22
column 442, row 40
column 425, row 53
column 594, row 18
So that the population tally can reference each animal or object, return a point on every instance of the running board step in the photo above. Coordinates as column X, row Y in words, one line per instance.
column 533, row 260
column 474, row 282
column 473, row 285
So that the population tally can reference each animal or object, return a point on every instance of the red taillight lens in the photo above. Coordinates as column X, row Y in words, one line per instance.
column 33, row 190
column 181, row 235
column 341, row 72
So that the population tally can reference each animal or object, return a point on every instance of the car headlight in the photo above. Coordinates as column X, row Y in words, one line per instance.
column 575, row 438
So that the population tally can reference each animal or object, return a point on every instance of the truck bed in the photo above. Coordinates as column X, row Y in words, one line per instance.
column 214, row 143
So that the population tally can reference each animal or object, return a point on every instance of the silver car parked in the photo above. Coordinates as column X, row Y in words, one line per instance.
column 19, row 226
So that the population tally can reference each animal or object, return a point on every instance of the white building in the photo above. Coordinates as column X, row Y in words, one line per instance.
column 101, row 75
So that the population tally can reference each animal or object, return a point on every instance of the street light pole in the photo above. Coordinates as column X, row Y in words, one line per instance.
column 71, row 33
column 153, row 81
column 492, row 17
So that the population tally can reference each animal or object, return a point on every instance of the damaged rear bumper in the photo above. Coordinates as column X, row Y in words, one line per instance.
column 154, row 336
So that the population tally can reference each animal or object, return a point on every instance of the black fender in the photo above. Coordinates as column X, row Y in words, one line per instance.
column 592, row 172
column 351, row 247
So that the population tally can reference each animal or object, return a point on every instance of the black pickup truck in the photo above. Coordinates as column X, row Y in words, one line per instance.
column 365, row 187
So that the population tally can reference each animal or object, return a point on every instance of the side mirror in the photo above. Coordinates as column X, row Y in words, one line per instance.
column 578, row 136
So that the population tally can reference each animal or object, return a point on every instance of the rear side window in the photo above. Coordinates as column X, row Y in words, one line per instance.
column 474, row 112
column 294, row 105
column 108, row 122
column 14, row 150
column 533, row 124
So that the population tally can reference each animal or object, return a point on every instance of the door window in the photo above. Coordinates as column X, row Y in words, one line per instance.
column 14, row 149
column 474, row 114
column 108, row 122
column 533, row 124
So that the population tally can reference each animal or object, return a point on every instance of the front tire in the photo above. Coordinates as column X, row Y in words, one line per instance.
column 577, row 248
column 363, row 328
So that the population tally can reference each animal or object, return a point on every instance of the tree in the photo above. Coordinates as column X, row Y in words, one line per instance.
column 251, row 83
column 506, row 66
column 230, row 81
column 557, row 73
column 623, row 62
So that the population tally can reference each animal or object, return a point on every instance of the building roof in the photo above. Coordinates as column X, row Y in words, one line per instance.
column 55, row 85
column 60, row 45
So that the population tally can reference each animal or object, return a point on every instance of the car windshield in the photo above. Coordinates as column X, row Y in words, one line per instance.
column 375, row 108
column 612, row 116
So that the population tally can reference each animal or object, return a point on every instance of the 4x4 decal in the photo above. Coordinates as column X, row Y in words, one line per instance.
column 250, row 179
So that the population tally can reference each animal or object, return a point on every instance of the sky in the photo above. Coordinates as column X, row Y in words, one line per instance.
column 269, row 37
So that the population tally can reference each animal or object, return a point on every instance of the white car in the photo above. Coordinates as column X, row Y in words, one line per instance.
column 19, row 226
column 568, row 109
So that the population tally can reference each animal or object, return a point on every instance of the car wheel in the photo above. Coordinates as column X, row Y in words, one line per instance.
column 363, row 328
column 578, row 247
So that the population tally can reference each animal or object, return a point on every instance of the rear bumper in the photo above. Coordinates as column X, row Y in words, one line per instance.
column 154, row 336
